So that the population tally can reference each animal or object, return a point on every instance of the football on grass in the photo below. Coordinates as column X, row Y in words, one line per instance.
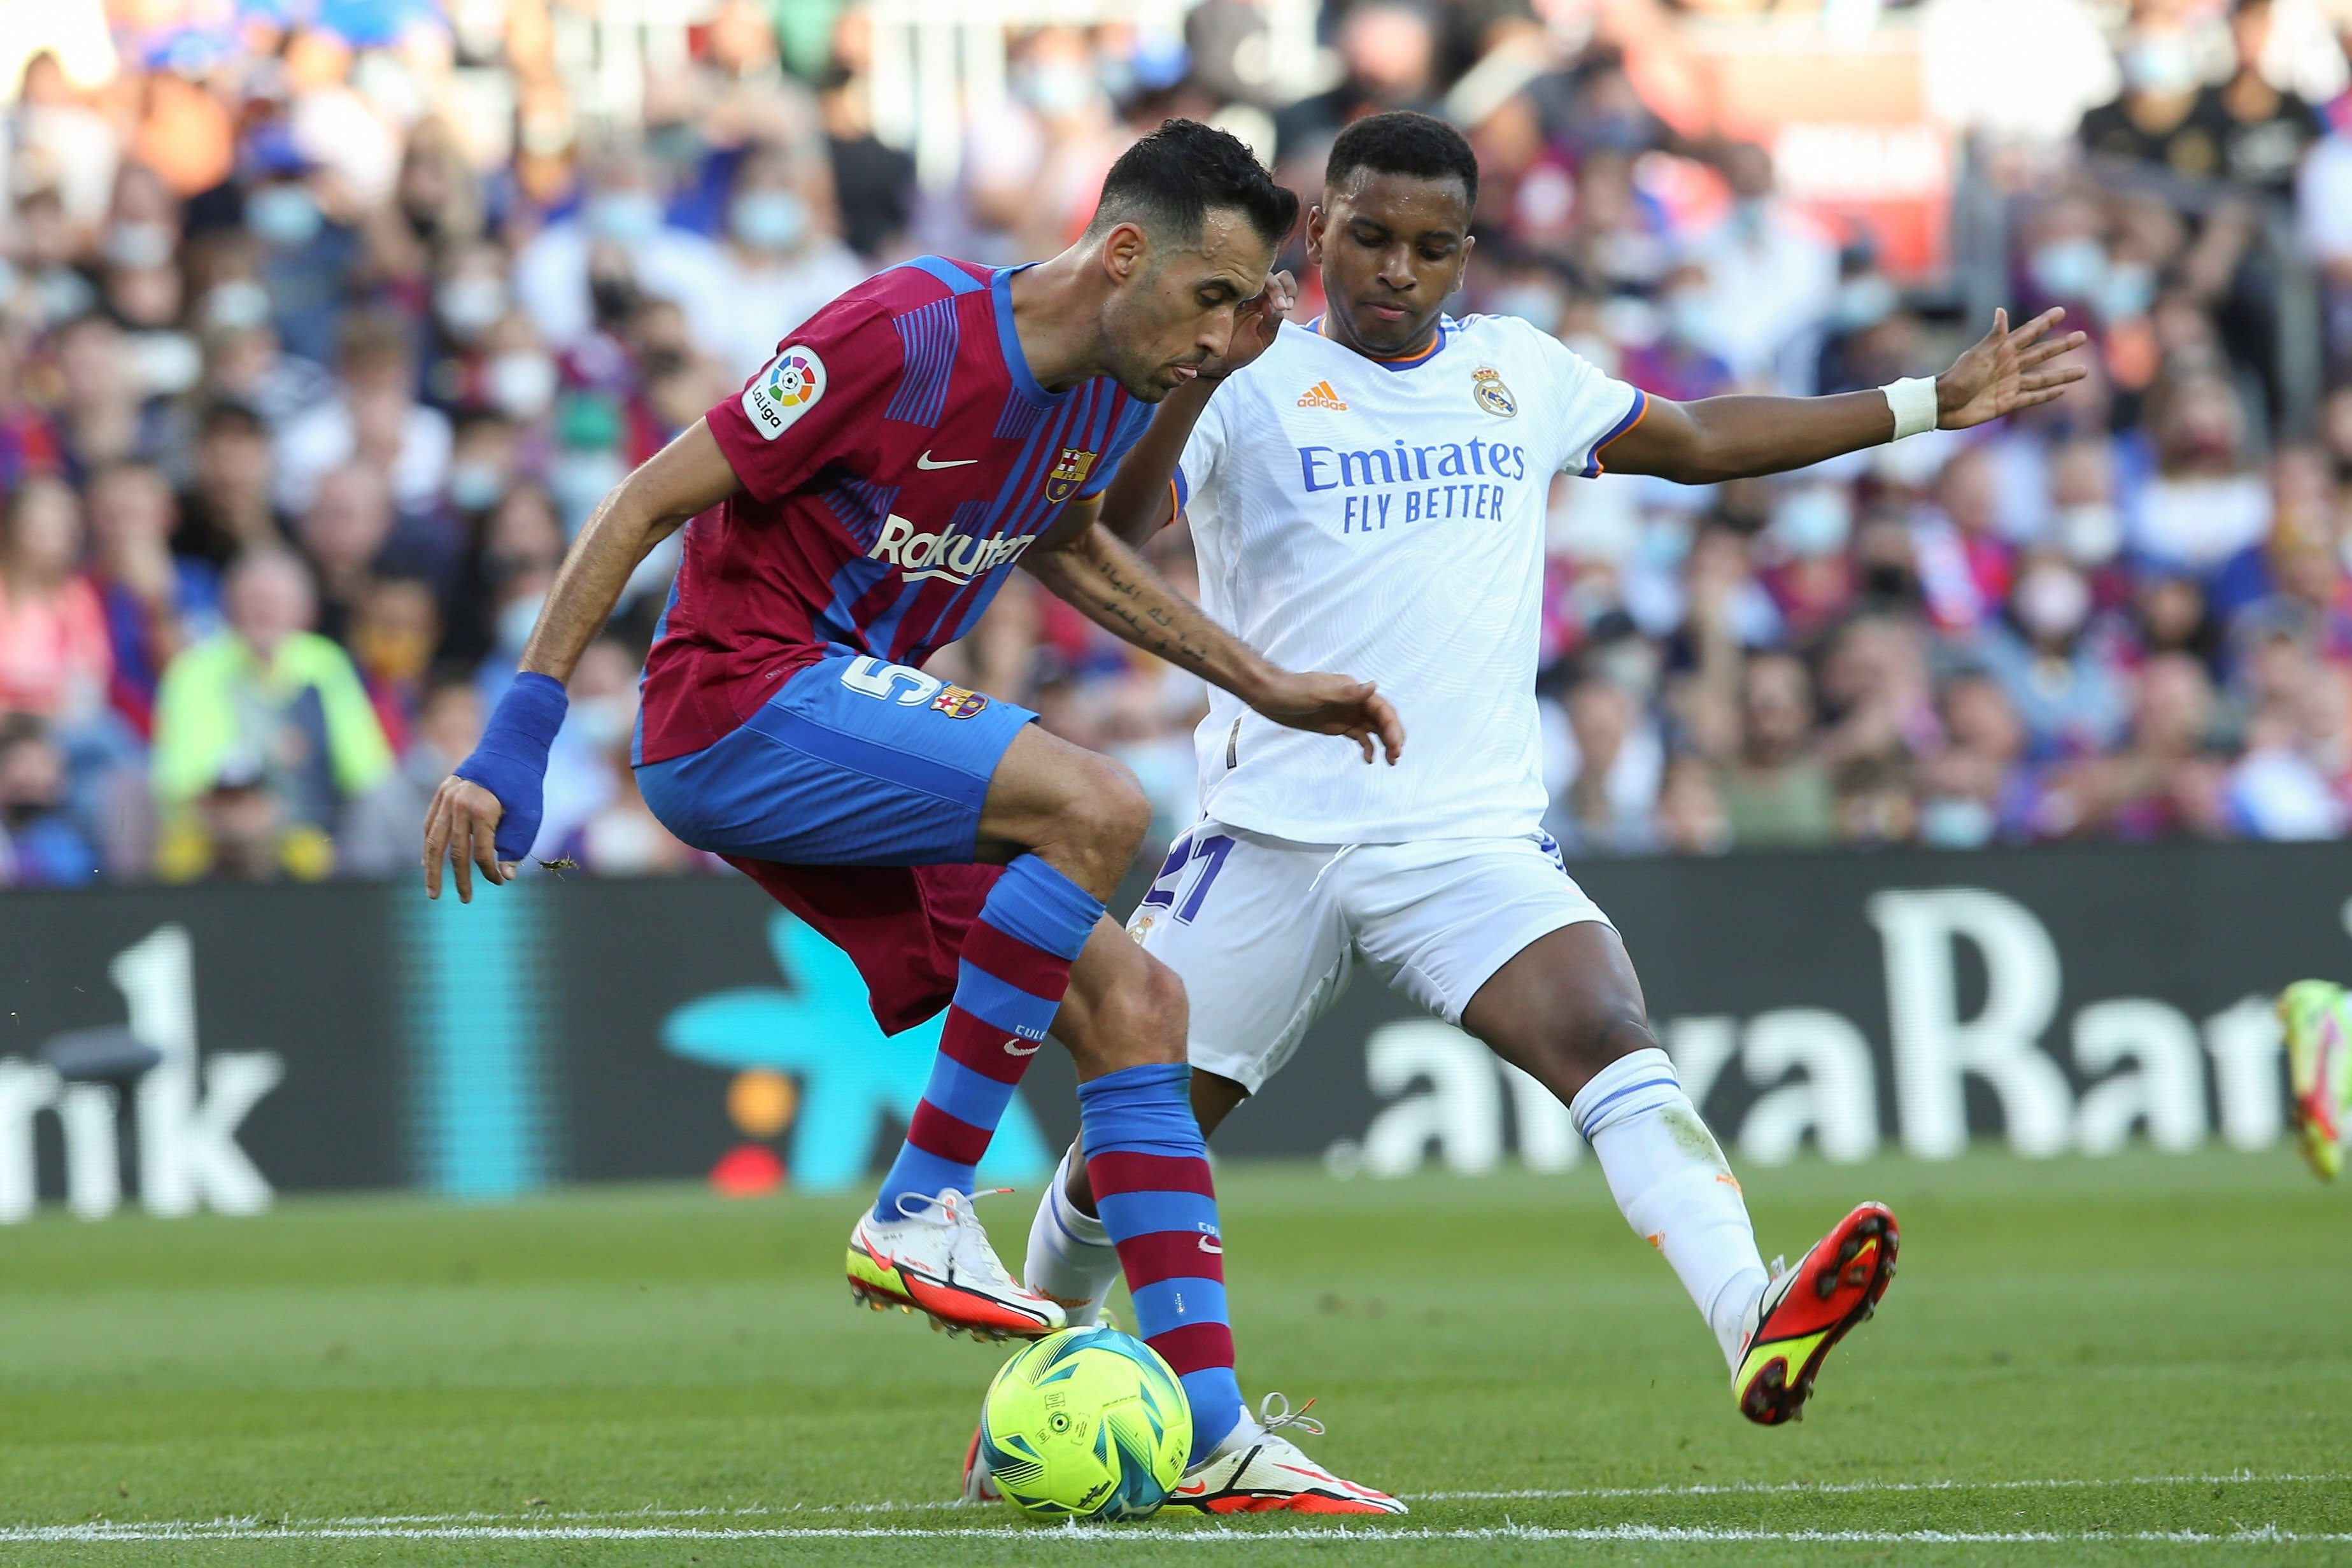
column 1086, row 1424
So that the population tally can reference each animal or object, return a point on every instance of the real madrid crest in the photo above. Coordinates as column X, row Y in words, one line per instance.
column 1069, row 472
column 1493, row 396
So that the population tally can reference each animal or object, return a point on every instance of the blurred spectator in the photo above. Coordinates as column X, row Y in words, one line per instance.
column 1777, row 793
column 783, row 263
column 55, row 658
column 374, row 419
column 1607, row 807
column 152, row 598
column 384, row 831
column 43, row 847
column 265, row 729
column 587, row 272
column 2063, row 688
column 1771, row 277
column 318, row 300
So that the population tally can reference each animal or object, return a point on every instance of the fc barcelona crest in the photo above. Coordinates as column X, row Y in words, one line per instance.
column 1069, row 472
column 958, row 702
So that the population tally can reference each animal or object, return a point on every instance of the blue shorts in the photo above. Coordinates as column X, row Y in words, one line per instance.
column 853, row 762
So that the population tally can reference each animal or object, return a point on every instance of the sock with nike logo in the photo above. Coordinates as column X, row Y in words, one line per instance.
column 1015, row 965
column 1150, row 1172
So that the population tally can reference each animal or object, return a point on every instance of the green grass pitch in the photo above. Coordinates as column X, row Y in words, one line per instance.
column 2140, row 1360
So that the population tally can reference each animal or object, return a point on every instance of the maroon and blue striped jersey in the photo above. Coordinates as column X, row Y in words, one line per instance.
column 897, row 458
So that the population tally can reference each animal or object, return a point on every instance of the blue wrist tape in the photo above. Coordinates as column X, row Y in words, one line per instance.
column 510, row 760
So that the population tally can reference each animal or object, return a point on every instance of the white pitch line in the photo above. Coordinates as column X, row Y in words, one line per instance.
column 252, row 1527
column 1207, row 1536
column 1768, row 1488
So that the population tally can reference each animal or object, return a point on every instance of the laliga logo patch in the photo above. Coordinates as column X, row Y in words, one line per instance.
column 958, row 702
column 786, row 389
column 1068, row 473
column 1492, row 394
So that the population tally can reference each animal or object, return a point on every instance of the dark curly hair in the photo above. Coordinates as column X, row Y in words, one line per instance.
column 1403, row 143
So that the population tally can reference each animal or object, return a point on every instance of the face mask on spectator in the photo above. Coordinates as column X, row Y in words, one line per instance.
column 2160, row 63
column 2091, row 533
column 286, row 216
column 520, row 383
column 1813, row 522
column 2051, row 602
column 1956, row 823
column 475, row 485
column 624, row 217
column 470, row 304
column 1057, row 92
column 164, row 364
column 1530, row 302
column 139, row 244
column 2127, row 291
column 237, row 305
column 2069, row 268
column 604, row 722
column 1863, row 301
column 579, row 479
column 516, row 619
column 1688, row 317
column 769, row 220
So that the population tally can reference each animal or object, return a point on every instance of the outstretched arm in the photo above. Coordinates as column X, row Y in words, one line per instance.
column 1086, row 563
column 1720, row 438
column 502, row 778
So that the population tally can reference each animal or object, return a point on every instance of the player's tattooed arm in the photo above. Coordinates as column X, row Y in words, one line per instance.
column 1084, row 562
column 1720, row 438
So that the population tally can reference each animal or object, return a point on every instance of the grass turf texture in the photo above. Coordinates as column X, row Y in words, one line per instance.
column 568, row 1364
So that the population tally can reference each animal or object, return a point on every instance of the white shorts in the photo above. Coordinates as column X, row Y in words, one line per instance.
column 1264, row 932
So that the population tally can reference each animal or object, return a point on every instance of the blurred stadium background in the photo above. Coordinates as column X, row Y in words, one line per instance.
column 324, row 324
column 1983, row 787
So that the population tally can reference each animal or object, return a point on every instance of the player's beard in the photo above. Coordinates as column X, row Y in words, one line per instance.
column 1141, row 373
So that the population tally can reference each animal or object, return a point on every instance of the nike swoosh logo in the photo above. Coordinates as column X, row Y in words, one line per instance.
column 1211, row 1244
column 1015, row 1047
column 925, row 463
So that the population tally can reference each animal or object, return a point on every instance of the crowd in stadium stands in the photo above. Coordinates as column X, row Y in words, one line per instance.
column 306, row 378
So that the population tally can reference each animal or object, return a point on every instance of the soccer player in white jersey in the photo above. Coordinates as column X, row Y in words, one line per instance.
column 1368, row 492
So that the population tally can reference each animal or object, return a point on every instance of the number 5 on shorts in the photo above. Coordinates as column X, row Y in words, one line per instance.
column 1209, row 852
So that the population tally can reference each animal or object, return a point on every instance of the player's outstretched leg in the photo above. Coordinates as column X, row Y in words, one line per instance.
column 1567, row 1009
column 1068, row 822
column 1146, row 1175
column 920, row 1248
column 2316, row 1016
column 1808, row 1309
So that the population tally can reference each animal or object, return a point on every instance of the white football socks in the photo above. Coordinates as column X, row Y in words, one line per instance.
column 1071, row 1257
column 1673, row 1186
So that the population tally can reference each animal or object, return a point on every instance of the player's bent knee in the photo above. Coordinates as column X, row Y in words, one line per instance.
column 1137, row 1018
column 1107, row 810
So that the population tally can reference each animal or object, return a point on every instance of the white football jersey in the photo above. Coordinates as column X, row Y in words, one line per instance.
column 1385, row 519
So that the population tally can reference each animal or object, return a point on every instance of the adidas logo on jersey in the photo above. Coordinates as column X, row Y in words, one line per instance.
column 947, row 556
column 1320, row 395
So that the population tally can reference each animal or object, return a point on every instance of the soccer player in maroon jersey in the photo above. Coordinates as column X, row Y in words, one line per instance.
column 853, row 510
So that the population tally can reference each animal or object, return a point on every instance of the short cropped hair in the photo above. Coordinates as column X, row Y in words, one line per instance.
column 1171, row 179
column 1403, row 143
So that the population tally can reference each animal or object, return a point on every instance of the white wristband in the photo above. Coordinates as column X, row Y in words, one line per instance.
column 1913, row 403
